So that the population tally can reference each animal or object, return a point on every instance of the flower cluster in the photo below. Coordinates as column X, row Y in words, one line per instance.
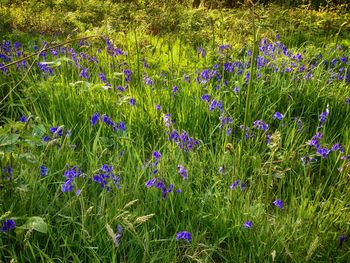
column 260, row 125
column 183, row 141
column 160, row 184
column 235, row 184
column 106, row 174
column 323, row 151
column 71, row 174
column 107, row 120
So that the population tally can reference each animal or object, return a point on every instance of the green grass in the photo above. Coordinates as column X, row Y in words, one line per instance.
column 316, row 196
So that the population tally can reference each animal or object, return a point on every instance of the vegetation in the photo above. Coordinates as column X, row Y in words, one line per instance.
column 143, row 132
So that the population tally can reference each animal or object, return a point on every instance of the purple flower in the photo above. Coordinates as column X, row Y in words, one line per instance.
column 336, row 147
column 148, row 81
column 235, row 184
column 268, row 138
column 43, row 170
column 70, row 175
column 342, row 239
column 215, row 104
column 167, row 120
column 323, row 152
column 150, row 183
column 175, row 89
column 95, row 118
column 278, row 115
column 248, row 224
column 84, row 73
column 205, row 97
column 158, row 107
column 57, row 130
column 278, row 203
column 7, row 170
column 121, row 126
column 119, row 235
column 201, row 51
column 132, row 102
column 182, row 171
column 23, row 119
column 186, row 236
column 260, row 125
column 347, row 101
column 156, row 155
column 9, row 224
column 323, row 117
column 236, row 89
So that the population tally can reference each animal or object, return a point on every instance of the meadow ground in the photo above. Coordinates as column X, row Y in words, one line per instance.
column 133, row 147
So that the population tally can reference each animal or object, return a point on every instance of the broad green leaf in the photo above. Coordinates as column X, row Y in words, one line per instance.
column 37, row 223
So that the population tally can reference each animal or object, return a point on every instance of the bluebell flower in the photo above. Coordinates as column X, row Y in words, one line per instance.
column 182, row 171
column 70, row 174
column 158, row 107
column 43, row 170
column 109, row 122
column 8, row 225
column 119, row 235
column 247, row 77
column 268, row 138
column 342, row 239
column 67, row 186
column 336, row 147
column 235, row 184
column 260, row 125
column 201, row 51
column 216, row 105
column 236, row 89
column 84, row 73
column 323, row 117
column 278, row 115
column 148, row 81
column 121, row 126
column 224, row 121
column 7, row 170
column 167, row 120
column 46, row 138
column 175, row 89
column 184, row 235
column 248, row 224
column 323, row 152
column 151, row 182
column 205, row 97
column 127, row 74
column 94, row 119
column 23, row 119
column 278, row 203
column 104, row 79
column 156, row 155
column 57, row 131
column 132, row 102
